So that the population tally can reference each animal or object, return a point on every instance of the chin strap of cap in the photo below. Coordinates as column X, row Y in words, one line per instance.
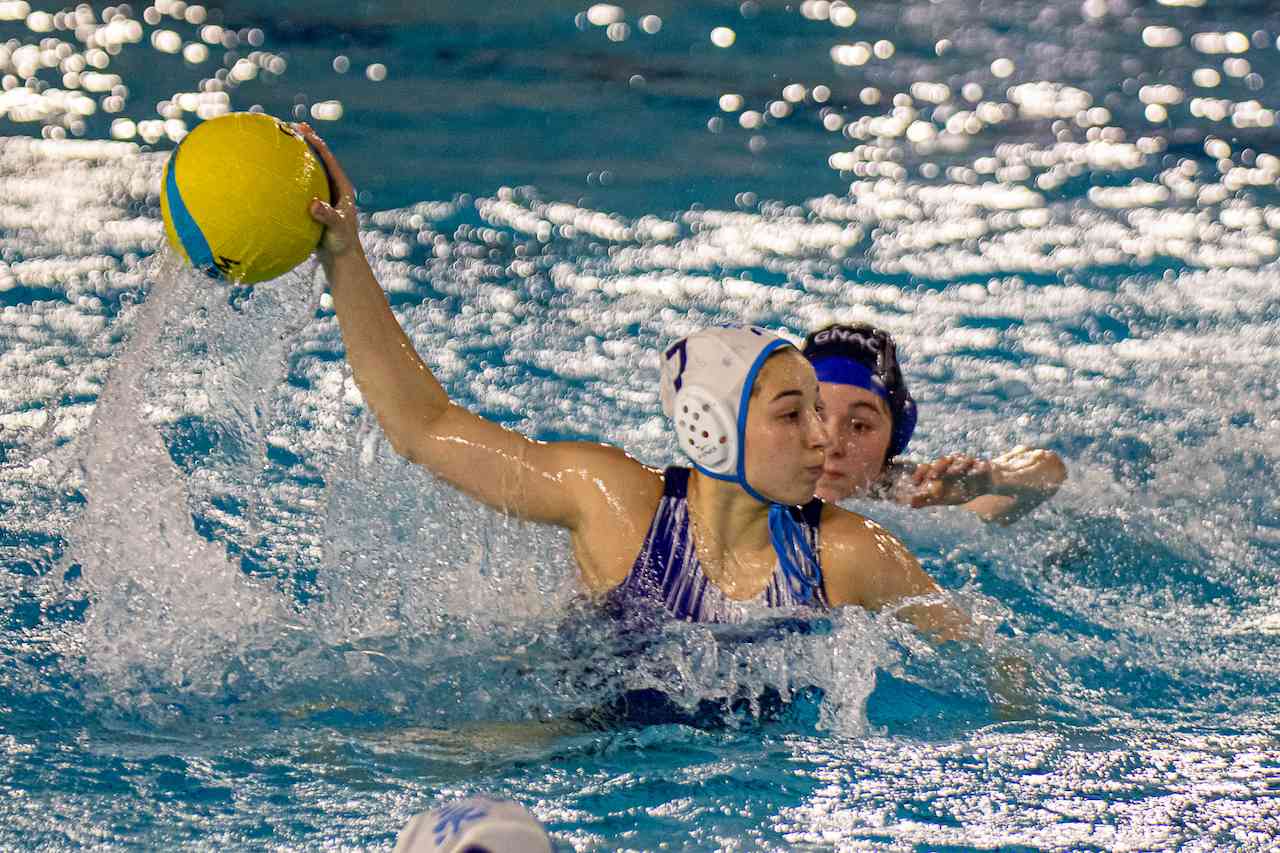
column 785, row 532
column 804, row 576
column 788, row 537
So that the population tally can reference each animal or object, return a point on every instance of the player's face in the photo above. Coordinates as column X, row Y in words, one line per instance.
column 786, row 439
column 859, row 428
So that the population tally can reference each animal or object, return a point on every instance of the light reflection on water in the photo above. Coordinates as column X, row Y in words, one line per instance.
column 1067, row 214
column 1168, row 790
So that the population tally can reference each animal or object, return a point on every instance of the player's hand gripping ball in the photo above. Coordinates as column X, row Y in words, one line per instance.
column 236, row 194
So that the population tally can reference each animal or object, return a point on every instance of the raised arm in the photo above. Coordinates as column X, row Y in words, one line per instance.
column 1021, row 480
column 557, row 483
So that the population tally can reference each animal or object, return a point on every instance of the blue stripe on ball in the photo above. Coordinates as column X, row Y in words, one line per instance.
column 189, row 232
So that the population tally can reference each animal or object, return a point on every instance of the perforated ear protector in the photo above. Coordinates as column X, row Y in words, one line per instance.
column 706, row 429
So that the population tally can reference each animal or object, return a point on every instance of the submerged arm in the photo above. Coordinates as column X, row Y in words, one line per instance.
column 866, row 565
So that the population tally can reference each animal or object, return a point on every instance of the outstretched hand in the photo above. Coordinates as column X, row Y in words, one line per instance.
column 341, row 229
column 949, row 480
column 1033, row 467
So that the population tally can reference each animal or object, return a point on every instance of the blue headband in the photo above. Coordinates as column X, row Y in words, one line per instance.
column 846, row 371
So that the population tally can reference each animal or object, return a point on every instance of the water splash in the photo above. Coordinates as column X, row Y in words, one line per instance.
column 168, row 607
column 420, row 595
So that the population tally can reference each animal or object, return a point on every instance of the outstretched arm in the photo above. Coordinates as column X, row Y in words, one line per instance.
column 1002, row 489
column 551, row 483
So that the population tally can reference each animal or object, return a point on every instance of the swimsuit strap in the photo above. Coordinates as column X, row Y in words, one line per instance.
column 667, row 568
column 675, row 482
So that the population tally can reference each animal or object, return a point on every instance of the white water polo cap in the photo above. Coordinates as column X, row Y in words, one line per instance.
column 474, row 824
column 706, row 385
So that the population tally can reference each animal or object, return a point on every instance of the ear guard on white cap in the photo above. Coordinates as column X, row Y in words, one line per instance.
column 705, row 429
column 706, row 382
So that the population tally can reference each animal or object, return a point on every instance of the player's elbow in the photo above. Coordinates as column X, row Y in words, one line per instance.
column 408, row 440
column 404, row 447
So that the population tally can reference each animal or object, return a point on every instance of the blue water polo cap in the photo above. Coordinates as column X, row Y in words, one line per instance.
column 863, row 356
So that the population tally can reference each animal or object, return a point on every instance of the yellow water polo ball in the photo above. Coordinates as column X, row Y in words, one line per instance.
column 235, row 196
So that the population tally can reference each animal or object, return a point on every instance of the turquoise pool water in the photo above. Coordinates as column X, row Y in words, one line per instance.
column 231, row 618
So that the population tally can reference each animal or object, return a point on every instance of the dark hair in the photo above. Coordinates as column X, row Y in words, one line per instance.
column 874, row 349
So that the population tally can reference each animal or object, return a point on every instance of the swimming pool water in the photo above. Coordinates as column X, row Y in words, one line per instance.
column 231, row 618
